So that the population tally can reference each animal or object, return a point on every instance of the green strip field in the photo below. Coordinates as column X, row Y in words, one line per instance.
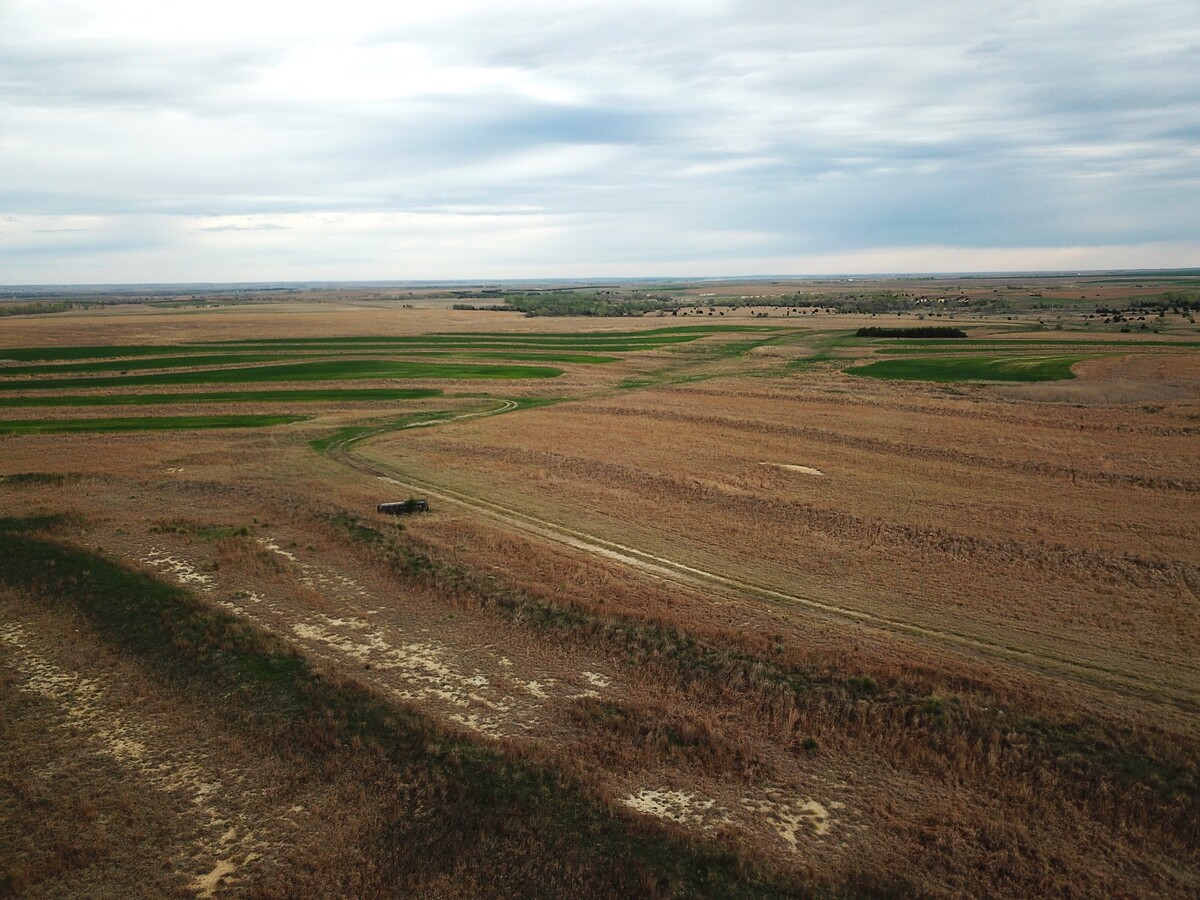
column 142, row 423
column 316, row 395
column 106, row 351
column 908, row 346
column 436, row 342
column 972, row 368
column 654, row 336
column 577, row 358
column 222, row 373
column 220, row 352
column 125, row 365
column 225, row 359
column 324, row 370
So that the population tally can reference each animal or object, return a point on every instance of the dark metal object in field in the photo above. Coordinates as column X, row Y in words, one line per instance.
column 403, row 507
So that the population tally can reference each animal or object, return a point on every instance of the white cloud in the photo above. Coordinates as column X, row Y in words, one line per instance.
column 632, row 133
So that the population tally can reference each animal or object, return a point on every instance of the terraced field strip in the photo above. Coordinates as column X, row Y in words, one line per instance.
column 316, row 395
column 435, row 343
column 307, row 359
column 545, row 355
column 675, row 334
column 100, row 351
column 339, row 358
column 125, row 357
column 972, row 368
column 690, row 576
column 192, row 362
column 932, row 345
column 324, row 370
column 305, row 723
column 142, row 423
column 145, row 362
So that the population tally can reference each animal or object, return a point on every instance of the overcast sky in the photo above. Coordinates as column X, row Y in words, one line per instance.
column 236, row 140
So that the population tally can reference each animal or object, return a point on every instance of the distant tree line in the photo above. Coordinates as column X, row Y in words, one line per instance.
column 34, row 309
column 928, row 331
column 578, row 304
column 1172, row 301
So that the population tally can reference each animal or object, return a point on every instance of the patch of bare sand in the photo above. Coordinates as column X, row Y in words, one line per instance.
column 150, row 755
column 792, row 467
column 206, row 885
column 793, row 819
column 182, row 570
column 467, row 675
column 478, row 687
column 678, row 806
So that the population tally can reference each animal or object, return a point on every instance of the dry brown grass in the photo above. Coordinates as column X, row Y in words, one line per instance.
column 1070, row 533
column 1064, row 532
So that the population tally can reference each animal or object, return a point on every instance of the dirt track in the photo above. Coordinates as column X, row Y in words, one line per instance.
column 669, row 570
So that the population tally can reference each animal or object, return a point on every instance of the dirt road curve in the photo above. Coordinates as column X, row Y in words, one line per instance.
column 673, row 571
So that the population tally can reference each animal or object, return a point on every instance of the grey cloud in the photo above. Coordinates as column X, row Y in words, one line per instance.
column 126, row 76
column 814, row 129
column 265, row 226
column 991, row 45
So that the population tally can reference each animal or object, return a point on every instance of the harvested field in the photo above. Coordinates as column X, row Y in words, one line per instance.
column 714, row 617
column 1045, row 552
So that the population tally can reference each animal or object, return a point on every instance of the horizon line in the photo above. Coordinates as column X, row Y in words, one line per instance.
column 590, row 281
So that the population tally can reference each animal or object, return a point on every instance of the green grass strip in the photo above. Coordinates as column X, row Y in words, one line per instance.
column 456, row 339
column 147, row 423
column 97, row 351
column 159, row 362
column 625, row 345
column 608, row 341
column 124, row 358
column 322, row 370
column 551, row 356
column 908, row 346
column 133, row 357
column 179, row 362
column 972, row 368
column 316, row 395
column 649, row 334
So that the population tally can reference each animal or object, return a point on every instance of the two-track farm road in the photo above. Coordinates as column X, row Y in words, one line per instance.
column 661, row 567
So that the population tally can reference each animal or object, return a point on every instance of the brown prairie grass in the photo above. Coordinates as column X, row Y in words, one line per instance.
column 390, row 805
column 1063, row 531
column 960, row 737
column 1077, row 542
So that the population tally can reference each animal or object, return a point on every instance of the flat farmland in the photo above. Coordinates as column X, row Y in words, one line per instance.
column 1064, row 534
column 698, row 609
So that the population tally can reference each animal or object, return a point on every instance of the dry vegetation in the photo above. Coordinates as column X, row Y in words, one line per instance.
column 725, row 618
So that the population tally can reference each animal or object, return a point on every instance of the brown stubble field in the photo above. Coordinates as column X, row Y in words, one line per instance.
column 977, row 571
column 1071, row 536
